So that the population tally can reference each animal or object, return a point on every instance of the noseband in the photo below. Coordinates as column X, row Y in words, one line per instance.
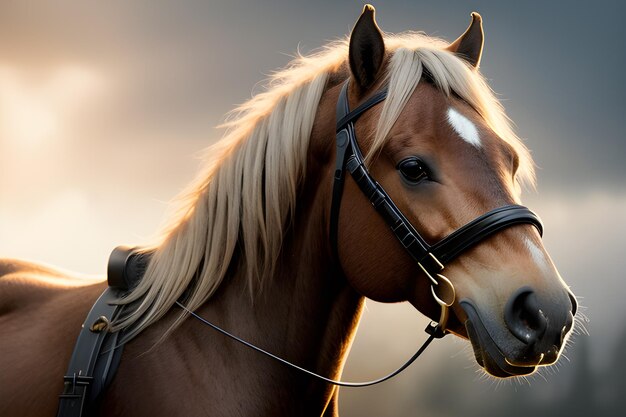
column 430, row 258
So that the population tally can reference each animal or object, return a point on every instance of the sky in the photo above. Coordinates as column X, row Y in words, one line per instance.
column 106, row 106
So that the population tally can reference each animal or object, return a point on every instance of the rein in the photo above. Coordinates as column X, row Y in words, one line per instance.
column 430, row 258
column 422, row 348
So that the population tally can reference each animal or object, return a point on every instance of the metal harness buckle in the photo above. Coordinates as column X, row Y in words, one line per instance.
column 441, row 283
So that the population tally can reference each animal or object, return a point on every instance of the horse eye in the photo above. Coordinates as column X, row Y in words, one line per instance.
column 413, row 169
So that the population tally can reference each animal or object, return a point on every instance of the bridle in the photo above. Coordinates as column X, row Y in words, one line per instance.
column 430, row 258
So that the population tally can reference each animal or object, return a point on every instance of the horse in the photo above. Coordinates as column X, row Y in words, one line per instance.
column 259, row 246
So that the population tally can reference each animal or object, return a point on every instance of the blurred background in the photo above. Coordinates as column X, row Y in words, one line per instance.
column 105, row 106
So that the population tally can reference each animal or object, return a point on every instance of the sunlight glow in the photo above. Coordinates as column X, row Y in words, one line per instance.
column 34, row 110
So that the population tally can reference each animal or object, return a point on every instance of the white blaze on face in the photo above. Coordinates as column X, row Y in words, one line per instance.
column 464, row 127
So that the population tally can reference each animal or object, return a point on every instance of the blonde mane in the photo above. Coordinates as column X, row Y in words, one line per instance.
column 228, row 211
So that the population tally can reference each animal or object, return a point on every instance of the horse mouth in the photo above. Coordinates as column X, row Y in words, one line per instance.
column 486, row 351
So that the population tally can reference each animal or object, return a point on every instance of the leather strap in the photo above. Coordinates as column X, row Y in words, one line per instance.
column 345, row 131
column 97, row 352
column 91, row 367
column 481, row 228
column 350, row 117
column 452, row 245
column 126, row 267
column 431, row 258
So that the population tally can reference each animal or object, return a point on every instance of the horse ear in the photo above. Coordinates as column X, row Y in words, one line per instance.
column 469, row 45
column 367, row 48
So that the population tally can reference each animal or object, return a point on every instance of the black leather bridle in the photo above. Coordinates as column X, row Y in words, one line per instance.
column 430, row 258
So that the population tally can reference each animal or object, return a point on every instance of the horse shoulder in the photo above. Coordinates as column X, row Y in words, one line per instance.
column 41, row 312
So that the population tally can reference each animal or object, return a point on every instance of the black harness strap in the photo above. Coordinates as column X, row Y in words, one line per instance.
column 91, row 367
column 345, row 131
column 97, row 352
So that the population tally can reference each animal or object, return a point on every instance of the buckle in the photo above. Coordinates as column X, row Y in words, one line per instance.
column 442, row 291
column 71, row 382
column 443, row 298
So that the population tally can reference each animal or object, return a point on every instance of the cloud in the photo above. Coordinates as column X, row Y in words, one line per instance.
column 177, row 70
column 34, row 110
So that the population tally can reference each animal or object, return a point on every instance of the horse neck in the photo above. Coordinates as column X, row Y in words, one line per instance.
column 323, row 310
column 307, row 313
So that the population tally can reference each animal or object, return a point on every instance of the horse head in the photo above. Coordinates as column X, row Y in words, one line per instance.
column 441, row 149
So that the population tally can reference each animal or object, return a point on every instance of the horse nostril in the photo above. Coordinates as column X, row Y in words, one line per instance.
column 523, row 316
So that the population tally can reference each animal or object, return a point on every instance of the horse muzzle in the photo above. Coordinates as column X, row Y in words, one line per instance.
column 533, row 334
